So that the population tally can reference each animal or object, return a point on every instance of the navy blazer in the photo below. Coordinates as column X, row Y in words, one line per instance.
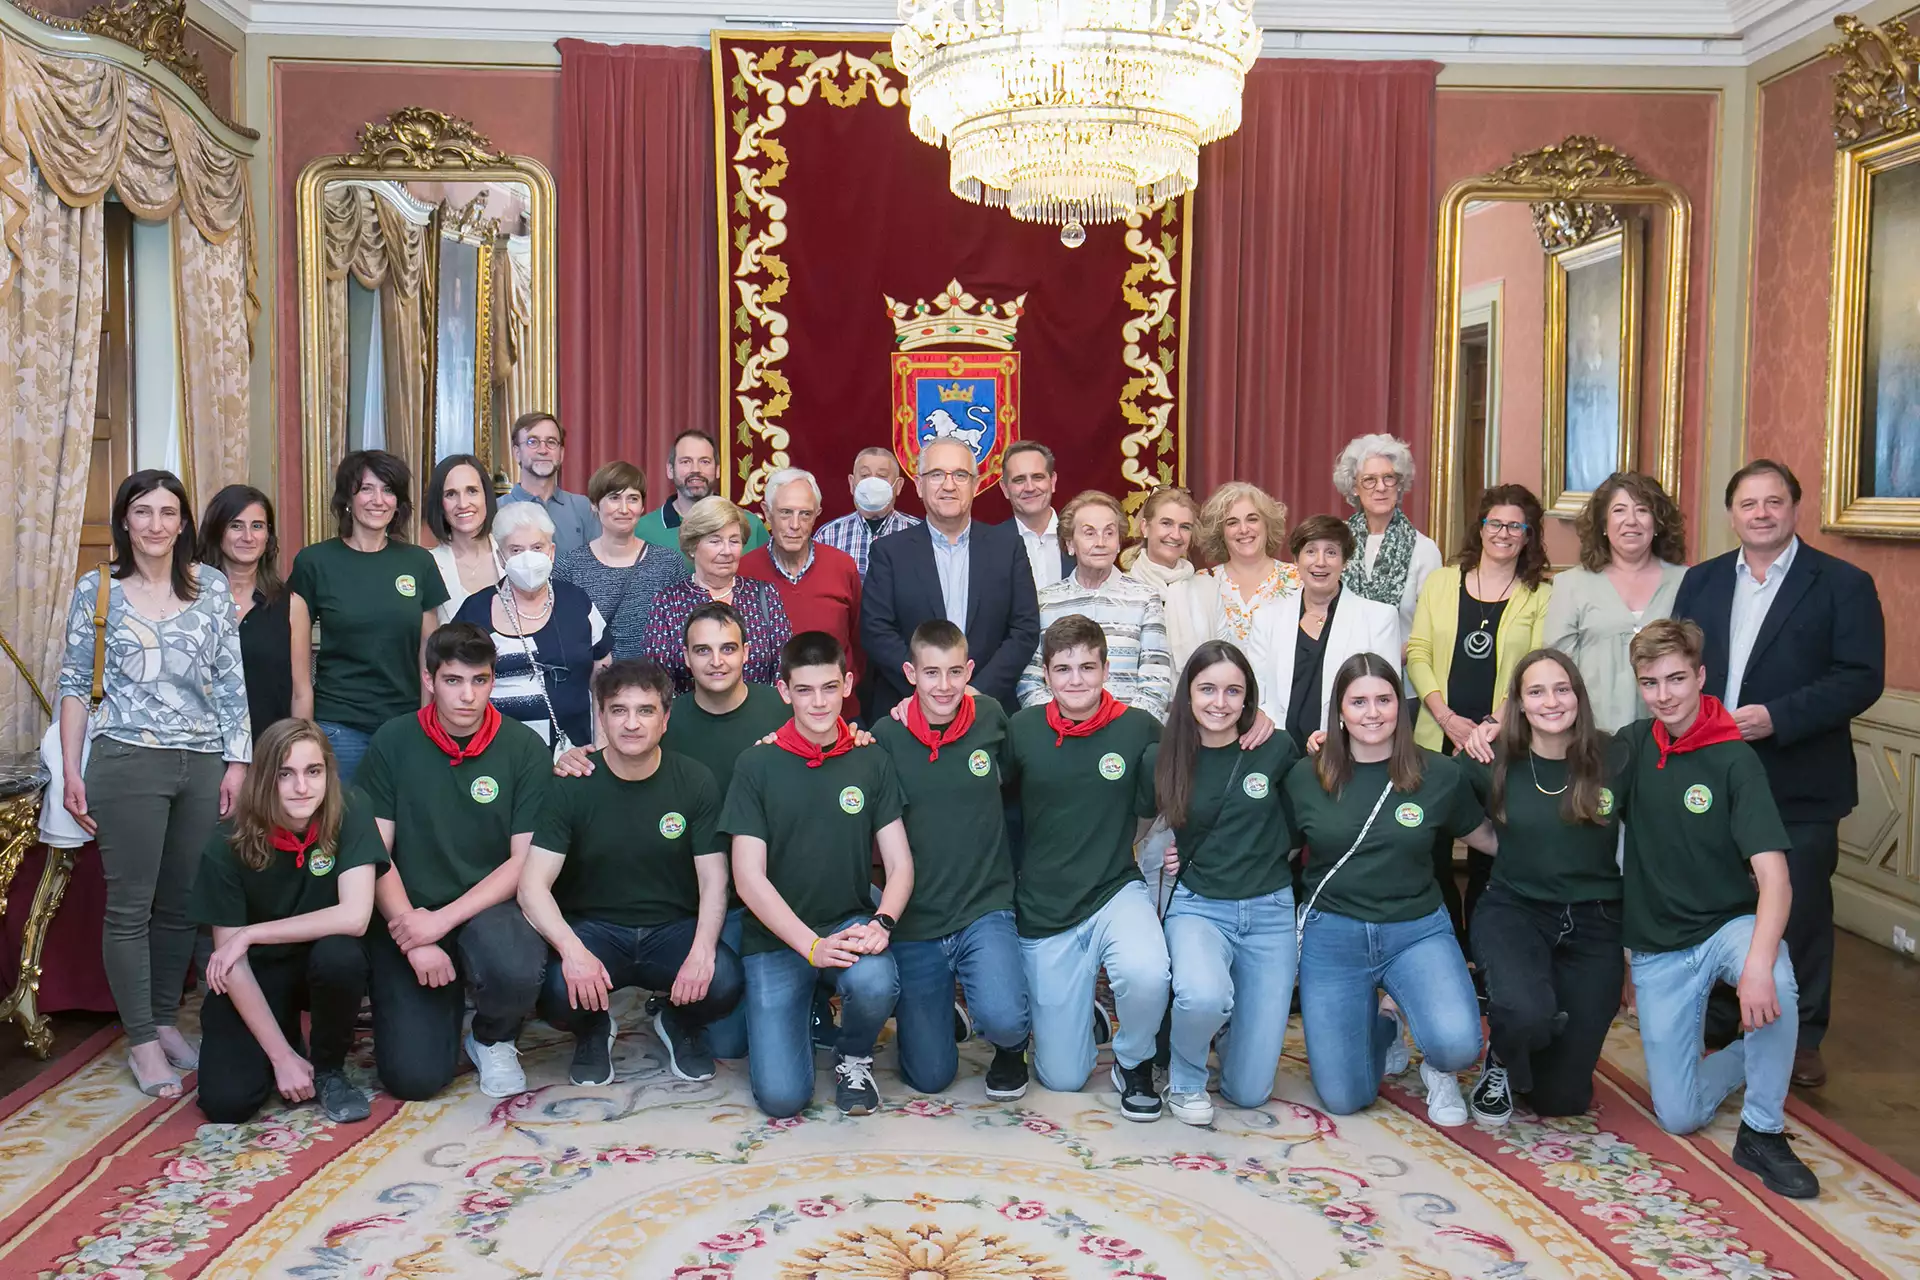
column 903, row 590
column 1820, row 660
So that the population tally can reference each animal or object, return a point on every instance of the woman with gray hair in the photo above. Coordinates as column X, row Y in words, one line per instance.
column 714, row 536
column 1374, row 473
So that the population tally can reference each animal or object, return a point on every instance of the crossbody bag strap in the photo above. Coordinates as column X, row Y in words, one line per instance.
column 1300, row 925
column 100, row 602
column 533, row 656
column 1232, row 777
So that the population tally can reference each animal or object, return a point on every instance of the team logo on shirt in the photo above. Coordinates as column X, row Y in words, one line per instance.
column 320, row 863
column 979, row 764
column 671, row 825
column 1698, row 799
column 404, row 585
column 1256, row 786
column 483, row 790
column 1112, row 766
column 1409, row 815
column 1606, row 802
column 853, row 800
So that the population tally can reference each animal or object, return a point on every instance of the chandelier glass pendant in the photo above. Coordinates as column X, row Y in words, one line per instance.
column 1074, row 111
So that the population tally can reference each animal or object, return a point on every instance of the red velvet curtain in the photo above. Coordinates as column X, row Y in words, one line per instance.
column 637, row 258
column 1312, row 303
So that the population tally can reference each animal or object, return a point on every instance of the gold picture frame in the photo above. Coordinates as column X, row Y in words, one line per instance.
column 1876, row 202
column 1623, row 245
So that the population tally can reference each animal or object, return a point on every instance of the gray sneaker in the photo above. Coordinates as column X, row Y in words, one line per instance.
column 687, row 1054
column 593, row 1052
column 339, row 1101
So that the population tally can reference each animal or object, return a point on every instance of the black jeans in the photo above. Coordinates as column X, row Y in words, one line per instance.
column 1542, row 960
column 1813, row 859
column 416, row 1029
column 1479, row 872
column 327, row 978
column 646, row 958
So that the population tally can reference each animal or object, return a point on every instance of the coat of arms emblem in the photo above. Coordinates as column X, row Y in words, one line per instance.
column 972, row 395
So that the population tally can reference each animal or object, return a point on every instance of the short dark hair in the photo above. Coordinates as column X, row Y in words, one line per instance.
column 461, row 642
column 693, row 433
column 434, row 499
column 1027, row 446
column 632, row 673
column 390, row 471
column 1765, row 466
column 714, row 611
column 528, row 421
column 937, row 633
column 1663, row 636
column 612, row 477
column 811, row 649
column 1321, row 529
column 1075, row 631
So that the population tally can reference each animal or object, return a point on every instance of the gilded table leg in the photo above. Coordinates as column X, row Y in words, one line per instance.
column 19, row 830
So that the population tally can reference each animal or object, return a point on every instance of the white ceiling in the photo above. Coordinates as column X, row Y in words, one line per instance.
column 1661, row 32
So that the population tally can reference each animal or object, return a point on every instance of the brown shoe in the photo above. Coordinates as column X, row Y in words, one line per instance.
column 1809, row 1071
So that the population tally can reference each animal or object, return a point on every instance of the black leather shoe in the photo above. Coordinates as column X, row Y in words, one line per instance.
column 1771, row 1158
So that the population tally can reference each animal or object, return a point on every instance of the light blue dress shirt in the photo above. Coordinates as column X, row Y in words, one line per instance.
column 952, row 560
column 1751, row 601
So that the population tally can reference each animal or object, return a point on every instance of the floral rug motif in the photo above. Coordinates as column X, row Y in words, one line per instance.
column 653, row 1178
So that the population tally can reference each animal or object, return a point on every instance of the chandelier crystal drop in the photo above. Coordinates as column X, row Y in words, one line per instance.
column 1074, row 111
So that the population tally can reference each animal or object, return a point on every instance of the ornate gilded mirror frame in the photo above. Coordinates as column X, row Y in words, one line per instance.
column 1877, row 130
column 1564, row 181
column 416, row 144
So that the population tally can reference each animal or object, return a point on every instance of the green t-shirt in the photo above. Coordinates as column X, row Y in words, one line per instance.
column 368, row 605
column 819, row 826
column 629, row 846
column 1077, row 802
column 956, row 824
column 1692, row 828
column 228, row 893
column 453, row 824
column 1390, row 878
column 1238, row 831
column 1543, row 856
column 717, row 741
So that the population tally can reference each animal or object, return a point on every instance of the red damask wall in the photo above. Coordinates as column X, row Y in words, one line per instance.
column 1787, row 347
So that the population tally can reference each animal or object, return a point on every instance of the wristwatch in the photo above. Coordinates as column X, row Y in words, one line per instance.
column 885, row 921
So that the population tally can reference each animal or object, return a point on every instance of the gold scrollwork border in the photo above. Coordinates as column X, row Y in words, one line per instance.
column 1624, row 239
column 755, row 391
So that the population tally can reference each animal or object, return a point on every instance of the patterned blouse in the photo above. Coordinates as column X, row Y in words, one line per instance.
column 176, row 684
column 759, row 607
column 624, row 595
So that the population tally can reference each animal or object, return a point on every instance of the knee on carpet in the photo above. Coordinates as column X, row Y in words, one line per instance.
column 236, row 1108
column 412, row 1082
column 1345, row 1100
column 1566, row 1100
column 783, row 1104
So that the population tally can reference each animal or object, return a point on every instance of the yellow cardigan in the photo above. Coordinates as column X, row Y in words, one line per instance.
column 1436, row 627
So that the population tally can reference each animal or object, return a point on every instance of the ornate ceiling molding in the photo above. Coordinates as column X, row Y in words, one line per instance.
column 1877, row 87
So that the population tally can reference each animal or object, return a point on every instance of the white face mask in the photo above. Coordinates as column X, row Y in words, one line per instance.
column 529, row 570
column 872, row 495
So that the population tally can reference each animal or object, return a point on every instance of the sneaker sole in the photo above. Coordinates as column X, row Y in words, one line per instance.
column 1007, row 1095
column 1491, row 1121
column 1139, row 1117
column 1197, row 1121
column 613, row 1033
column 1770, row 1184
column 858, row 1111
column 673, row 1063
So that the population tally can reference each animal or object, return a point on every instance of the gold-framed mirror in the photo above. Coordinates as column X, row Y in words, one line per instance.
column 426, row 300
column 1559, row 333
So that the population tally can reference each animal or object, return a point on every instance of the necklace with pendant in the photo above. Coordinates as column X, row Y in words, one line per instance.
column 1533, row 762
column 1479, row 642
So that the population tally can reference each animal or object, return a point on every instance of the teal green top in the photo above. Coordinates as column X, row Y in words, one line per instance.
column 653, row 529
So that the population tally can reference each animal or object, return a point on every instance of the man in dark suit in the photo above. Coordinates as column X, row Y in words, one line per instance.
column 974, row 575
column 1795, row 648
column 1028, row 479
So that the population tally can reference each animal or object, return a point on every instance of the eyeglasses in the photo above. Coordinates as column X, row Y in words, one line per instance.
column 1514, row 527
column 939, row 478
column 541, row 444
column 1379, row 482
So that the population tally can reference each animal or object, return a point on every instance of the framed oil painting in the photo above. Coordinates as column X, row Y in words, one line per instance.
column 1593, row 323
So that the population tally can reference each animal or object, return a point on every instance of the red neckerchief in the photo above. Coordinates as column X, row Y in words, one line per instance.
column 287, row 842
column 457, row 754
column 789, row 738
column 1710, row 728
column 934, row 739
column 1109, row 710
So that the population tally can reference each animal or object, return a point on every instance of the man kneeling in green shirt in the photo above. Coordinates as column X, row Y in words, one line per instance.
column 1706, row 899
column 628, row 882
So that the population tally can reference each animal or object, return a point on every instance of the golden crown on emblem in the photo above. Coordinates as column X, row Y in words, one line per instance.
column 956, row 391
column 951, row 319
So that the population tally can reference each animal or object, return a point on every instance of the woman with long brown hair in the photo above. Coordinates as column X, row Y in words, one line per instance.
column 237, row 537
column 287, row 885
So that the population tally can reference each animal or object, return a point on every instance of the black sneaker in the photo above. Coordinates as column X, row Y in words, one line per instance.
column 339, row 1101
column 962, row 1023
column 1771, row 1158
column 593, row 1052
column 687, row 1054
column 854, row 1089
column 1492, row 1099
column 1102, row 1024
column 826, row 1032
column 1138, row 1101
column 1007, row 1074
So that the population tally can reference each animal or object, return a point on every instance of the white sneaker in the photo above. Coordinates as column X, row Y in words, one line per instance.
column 1399, row 1054
column 1195, row 1109
column 1445, row 1106
column 499, row 1067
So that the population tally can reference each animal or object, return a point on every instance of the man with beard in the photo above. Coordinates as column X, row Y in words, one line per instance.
column 540, row 445
column 693, row 468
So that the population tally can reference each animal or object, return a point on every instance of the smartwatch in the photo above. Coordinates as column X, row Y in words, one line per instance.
column 885, row 921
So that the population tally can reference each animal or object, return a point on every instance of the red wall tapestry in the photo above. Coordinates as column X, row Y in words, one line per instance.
column 841, row 247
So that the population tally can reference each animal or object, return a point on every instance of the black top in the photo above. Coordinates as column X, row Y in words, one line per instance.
column 1470, row 691
column 1304, row 712
column 266, row 659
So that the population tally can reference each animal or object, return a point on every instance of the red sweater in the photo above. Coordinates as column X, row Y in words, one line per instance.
column 827, row 598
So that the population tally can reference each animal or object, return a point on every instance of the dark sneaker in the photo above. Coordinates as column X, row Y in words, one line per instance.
column 1770, row 1157
column 593, row 1052
column 1007, row 1074
column 1102, row 1024
column 1138, row 1101
column 826, row 1032
column 1492, row 1099
column 687, row 1054
column 854, row 1090
column 962, row 1023
column 339, row 1101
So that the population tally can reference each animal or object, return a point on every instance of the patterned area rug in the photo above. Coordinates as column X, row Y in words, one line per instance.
column 654, row 1178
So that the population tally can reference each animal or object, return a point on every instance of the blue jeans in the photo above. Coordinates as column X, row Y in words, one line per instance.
column 1124, row 938
column 779, row 1004
column 1343, row 962
column 1671, row 988
column 646, row 958
column 349, row 747
column 727, row 1038
column 985, row 957
column 1222, row 950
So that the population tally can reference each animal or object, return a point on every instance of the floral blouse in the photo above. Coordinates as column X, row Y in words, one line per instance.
column 759, row 607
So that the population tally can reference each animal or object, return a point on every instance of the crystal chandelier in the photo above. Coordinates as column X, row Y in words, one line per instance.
column 1074, row 111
